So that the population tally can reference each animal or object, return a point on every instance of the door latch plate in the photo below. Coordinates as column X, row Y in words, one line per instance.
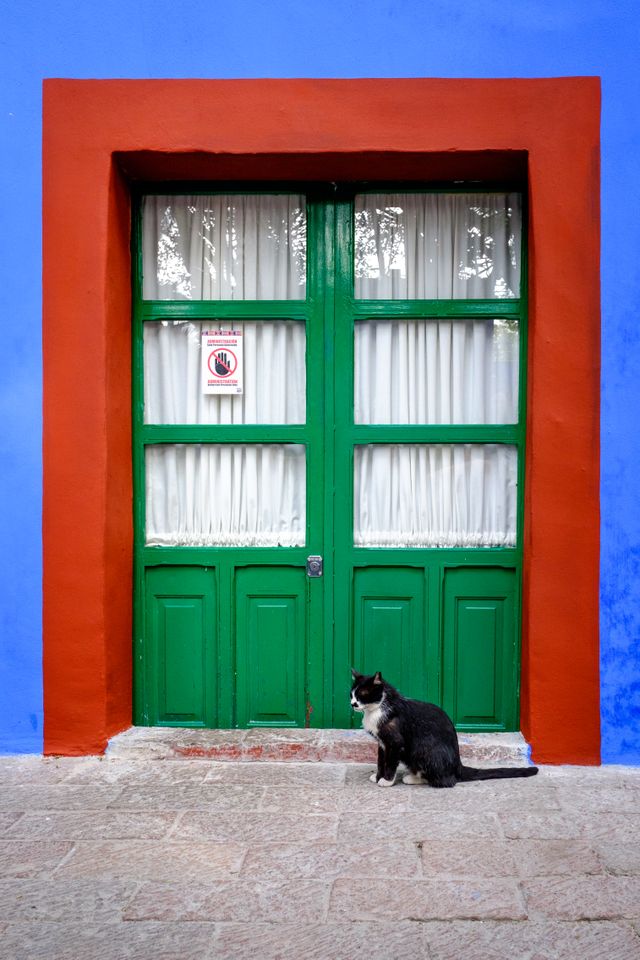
column 314, row 566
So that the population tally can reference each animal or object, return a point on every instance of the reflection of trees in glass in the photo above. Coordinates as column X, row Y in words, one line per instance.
column 506, row 339
column 480, row 250
column 465, row 236
column 220, row 233
column 379, row 242
column 172, row 269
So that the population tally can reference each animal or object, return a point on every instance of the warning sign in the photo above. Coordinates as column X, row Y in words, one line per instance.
column 222, row 370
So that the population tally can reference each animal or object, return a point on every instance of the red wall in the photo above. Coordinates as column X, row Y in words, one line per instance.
column 99, row 133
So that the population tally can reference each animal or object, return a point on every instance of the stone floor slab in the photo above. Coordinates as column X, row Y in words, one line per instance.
column 31, row 858
column 62, row 901
column 92, row 825
column 189, row 796
column 136, row 772
column 247, row 901
column 152, row 860
column 314, row 941
column 531, row 941
column 619, row 858
column 35, row 769
column 253, row 827
column 583, row 898
column 418, row 826
column 419, row 900
column 58, row 796
column 114, row 941
column 329, row 860
column 276, row 773
column 7, row 821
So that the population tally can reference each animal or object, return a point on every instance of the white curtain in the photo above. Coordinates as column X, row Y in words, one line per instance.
column 435, row 495
column 219, row 247
column 437, row 246
column 274, row 374
column 246, row 495
column 436, row 371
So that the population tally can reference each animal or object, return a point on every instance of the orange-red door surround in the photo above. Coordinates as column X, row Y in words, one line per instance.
column 99, row 134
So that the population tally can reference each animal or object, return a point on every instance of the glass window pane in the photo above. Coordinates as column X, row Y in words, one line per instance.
column 229, row 495
column 436, row 371
column 435, row 495
column 437, row 246
column 273, row 373
column 228, row 247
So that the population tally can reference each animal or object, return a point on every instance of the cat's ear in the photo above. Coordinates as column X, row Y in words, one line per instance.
column 377, row 678
column 355, row 674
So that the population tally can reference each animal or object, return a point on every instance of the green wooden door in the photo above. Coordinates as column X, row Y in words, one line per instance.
column 348, row 444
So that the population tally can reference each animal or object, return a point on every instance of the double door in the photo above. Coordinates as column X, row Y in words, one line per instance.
column 328, row 454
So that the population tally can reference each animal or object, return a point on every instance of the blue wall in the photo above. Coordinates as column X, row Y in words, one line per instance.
column 333, row 38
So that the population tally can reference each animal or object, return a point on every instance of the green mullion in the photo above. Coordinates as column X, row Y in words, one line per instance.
column 426, row 556
column 319, row 378
column 427, row 433
column 224, row 310
column 224, row 433
column 226, row 659
column 211, row 556
column 343, row 468
column 440, row 309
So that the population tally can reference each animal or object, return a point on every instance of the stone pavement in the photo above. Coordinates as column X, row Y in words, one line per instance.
column 193, row 859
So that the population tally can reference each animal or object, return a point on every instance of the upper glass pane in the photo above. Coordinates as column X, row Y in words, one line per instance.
column 436, row 371
column 270, row 368
column 224, row 247
column 437, row 246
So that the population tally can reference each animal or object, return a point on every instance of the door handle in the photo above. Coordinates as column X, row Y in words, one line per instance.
column 314, row 566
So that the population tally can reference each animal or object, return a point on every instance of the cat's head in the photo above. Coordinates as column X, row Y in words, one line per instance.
column 366, row 691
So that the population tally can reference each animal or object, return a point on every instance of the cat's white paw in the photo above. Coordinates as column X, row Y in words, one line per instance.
column 373, row 778
column 386, row 783
column 413, row 778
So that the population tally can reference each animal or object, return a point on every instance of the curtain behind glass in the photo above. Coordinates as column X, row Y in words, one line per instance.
column 436, row 371
column 435, row 495
column 437, row 246
column 219, row 247
column 274, row 374
column 245, row 495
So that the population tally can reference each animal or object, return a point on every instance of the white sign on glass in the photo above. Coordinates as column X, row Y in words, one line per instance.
column 222, row 369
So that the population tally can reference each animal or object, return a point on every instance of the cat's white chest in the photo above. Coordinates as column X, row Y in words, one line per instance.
column 372, row 718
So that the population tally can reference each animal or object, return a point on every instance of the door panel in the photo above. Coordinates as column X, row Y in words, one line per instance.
column 390, row 625
column 271, row 645
column 478, row 647
column 181, row 618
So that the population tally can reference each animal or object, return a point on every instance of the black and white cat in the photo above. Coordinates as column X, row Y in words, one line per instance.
column 418, row 734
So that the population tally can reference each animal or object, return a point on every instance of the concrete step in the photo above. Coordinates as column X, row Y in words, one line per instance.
column 290, row 744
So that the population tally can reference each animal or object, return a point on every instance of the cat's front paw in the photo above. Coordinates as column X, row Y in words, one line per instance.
column 374, row 778
column 386, row 783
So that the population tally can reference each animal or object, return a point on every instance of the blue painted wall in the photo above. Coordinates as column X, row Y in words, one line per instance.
column 332, row 38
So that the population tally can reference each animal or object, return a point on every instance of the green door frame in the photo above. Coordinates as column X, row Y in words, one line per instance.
column 330, row 313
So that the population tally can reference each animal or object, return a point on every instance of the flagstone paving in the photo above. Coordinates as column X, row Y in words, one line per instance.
column 132, row 858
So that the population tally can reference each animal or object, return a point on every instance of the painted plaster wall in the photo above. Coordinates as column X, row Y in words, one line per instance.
column 332, row 39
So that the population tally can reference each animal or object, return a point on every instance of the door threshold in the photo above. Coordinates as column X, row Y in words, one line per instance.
column 290, row 744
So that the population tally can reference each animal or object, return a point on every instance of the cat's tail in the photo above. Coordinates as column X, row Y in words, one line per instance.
column 495, row 773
